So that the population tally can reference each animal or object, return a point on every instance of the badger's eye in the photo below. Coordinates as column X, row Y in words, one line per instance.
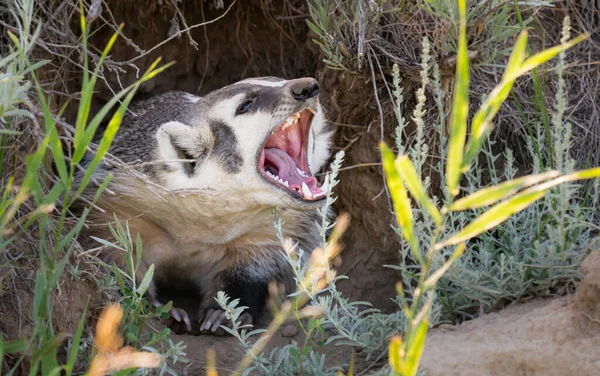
column 244, row 107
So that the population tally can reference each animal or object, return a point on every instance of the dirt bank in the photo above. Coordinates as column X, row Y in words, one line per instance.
column 549, row 337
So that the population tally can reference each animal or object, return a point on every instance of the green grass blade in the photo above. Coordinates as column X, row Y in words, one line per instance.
column 86, row 91
column 40, row 297
column 91, row 128
column 75, row 344
column 481, row 125
column 493, row 217
column 417, row 345
column 411, row 178
column 396, row 356
column 33, row 163
column 54, row 194
column 460, row 107
column 491, row 195
column 431, row 282
column 539, row 100
column 73, row 232
column 114, row 124
column 400, row 199
column 60, row 268
column 542, row 57
column 15, row 346
column 95, row 122
column 48, row 353
column 10, row 132
column 52, row 133
column 587, row 174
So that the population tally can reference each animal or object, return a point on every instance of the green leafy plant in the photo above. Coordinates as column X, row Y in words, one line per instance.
column 505, row 199
column 56, row 241
column 138, row 313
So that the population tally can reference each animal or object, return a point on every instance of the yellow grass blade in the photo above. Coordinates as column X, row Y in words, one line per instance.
column 493, row 217
column 415, row 187
column 400, row 199
column 460, row 107
column 491, row 195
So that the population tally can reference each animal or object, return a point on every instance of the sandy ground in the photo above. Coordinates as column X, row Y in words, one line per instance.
column 546, row 337
column 229, row 351
column 552, row 337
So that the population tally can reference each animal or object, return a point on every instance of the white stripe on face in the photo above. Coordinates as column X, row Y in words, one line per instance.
column 264, row 83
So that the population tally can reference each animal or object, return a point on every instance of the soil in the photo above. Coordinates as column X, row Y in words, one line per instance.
column 229, row 352
column 539, row 338
column 549, row 337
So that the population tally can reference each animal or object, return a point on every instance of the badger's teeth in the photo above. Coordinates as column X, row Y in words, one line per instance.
column 286, row 184
column 301, row 172
column 291, row 121
column 325, row 185
column 306, row 192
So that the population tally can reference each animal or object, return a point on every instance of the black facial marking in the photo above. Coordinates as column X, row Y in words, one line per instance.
column 225, row 147
column 265, row 98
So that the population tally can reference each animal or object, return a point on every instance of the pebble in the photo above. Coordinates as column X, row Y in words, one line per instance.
column 289, row 331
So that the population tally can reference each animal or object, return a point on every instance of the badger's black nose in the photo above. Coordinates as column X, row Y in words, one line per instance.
column 304, row 88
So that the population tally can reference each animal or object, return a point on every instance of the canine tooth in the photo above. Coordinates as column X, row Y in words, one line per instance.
column 325, row 186
column 305, row 191
column 286, row 184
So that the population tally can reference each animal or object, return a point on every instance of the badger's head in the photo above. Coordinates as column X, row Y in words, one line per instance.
column 260, row 139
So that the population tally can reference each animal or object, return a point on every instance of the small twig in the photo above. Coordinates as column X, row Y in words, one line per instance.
column 381, row 128
column 176, row 35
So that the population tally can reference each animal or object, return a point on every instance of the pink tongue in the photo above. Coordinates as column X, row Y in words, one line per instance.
column 287, row 170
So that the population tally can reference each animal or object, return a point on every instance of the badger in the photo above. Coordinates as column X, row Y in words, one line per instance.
column 198, row 181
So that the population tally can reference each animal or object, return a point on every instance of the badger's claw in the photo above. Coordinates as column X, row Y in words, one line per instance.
column 179, row 317
column 214, row 318
column 179, row 321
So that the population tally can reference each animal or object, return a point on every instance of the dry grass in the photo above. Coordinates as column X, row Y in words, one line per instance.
column 368, row 40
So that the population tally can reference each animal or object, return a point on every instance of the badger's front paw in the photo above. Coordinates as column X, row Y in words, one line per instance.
column 212, row 319
column 178, row 321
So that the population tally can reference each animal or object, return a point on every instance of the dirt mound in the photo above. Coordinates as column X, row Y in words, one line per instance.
column 550, row 337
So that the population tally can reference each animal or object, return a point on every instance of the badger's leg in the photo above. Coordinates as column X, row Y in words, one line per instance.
column 157, row 249
column 248, row 282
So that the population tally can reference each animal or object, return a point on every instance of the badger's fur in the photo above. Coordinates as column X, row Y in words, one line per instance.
column 204, row 189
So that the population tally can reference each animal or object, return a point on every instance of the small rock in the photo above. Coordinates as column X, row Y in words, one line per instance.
column 289, row 331
column 446, row 327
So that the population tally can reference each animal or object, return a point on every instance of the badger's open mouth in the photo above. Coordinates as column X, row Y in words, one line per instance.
column 284, row 161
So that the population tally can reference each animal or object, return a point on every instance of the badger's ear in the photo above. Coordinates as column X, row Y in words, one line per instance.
column 178, row 141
